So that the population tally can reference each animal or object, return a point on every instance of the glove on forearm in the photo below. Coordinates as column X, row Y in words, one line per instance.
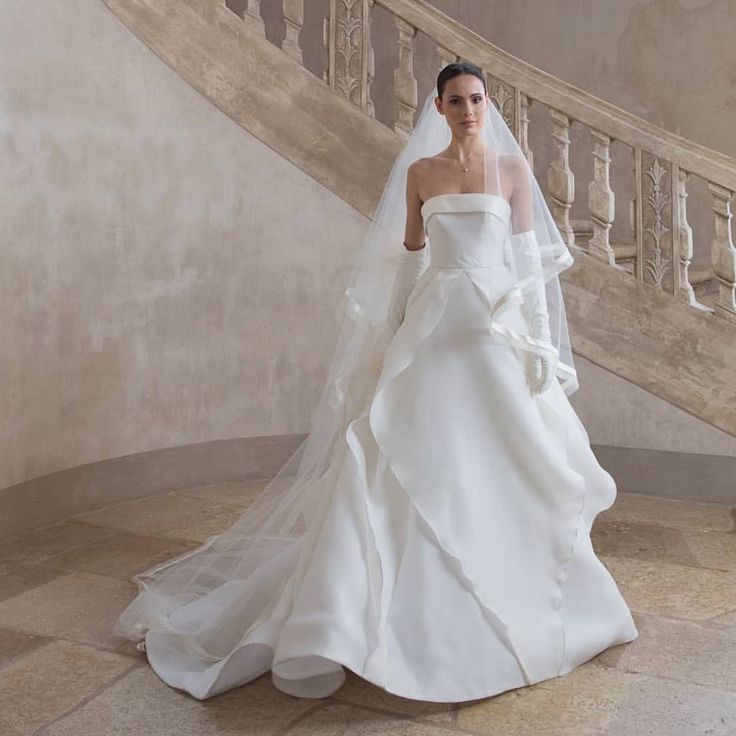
column 534, row 308
column 411, row 266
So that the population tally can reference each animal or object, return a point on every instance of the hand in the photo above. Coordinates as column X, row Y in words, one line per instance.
column 412, row 264
column 539, row 372
column 539, row 367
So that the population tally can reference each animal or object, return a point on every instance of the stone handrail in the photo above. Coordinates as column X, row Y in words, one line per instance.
column 662, row 162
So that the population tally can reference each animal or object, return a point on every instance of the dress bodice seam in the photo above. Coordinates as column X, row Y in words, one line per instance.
column 466, row 194
column 432, row 205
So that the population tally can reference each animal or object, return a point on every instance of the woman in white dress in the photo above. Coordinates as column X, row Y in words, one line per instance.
column 432, row 533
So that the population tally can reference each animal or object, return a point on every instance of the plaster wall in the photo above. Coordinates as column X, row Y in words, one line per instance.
column 167, row 279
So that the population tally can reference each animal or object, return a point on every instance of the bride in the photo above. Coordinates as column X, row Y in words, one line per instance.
column 432, row 532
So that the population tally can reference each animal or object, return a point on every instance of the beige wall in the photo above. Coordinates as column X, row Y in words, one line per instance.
column 671, row 62
column 618, row 413
column 167, row 279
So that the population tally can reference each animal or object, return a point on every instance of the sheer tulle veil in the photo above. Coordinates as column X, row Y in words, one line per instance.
column 240, row 572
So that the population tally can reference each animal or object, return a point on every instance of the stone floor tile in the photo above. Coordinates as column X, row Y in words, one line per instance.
column 120, row 555
column 670, row 512
column 15, row 644
column 661, row 707
column 140, row 703
column 716, row 550
column 171, row 515
column 239, row 493
column 43, row 543
column 675, row 591
column 580, row 703
column 357, row 691
column 335, row 719
column 78, row 606
column 17, row 577
column 689, row 651
column 642, row 541
column 50, row 681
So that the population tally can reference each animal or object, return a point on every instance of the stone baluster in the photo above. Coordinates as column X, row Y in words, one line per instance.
column 657, row 254
column 503, row 97
column 252, row 14
column 723, row 253
column 636, row 212
column 405, row 84
column 327, row 36
column 350, row 63
column 370, row 61
column 560, row 178
column 293, row 11
column 685, row 291
column 523, row 103
column 601, row 199
column 445, row 57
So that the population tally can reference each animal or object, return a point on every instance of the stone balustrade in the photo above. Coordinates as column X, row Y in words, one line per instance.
column 662, row 163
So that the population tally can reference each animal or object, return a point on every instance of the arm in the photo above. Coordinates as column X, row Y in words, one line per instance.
column 529, row 261
column 413, row 258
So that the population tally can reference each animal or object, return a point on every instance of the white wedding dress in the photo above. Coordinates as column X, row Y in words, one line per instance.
column 451, row 558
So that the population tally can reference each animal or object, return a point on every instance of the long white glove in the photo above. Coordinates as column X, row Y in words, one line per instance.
column 539, row 368
column 411, row 266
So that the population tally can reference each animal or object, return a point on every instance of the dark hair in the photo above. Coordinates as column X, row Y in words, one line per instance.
column 453, row 70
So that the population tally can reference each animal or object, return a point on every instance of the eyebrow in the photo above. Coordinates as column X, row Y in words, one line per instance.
column 472, row 94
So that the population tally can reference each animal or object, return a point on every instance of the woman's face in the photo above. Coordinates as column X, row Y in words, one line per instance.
column 463, row 103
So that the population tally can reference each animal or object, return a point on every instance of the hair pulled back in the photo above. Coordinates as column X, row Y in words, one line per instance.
column 455, row 69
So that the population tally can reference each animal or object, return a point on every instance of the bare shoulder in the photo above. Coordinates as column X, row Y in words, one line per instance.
column 515, row 170
column 422, row 170
column 513, row 164
column 420, row 166
column 416, row 174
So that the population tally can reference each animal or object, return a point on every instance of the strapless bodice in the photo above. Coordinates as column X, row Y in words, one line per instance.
column 466, row 229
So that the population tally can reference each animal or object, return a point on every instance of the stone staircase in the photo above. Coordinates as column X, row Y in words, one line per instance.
column 642, row 306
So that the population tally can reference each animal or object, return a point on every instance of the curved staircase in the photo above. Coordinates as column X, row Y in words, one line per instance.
column 637, row 308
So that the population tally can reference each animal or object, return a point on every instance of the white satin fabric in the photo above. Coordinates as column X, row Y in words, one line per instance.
column 452, row 556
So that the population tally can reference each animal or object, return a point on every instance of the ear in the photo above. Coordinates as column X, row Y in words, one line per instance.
column 438, row 105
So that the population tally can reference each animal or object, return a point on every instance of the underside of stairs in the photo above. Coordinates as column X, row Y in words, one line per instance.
column 685, row 355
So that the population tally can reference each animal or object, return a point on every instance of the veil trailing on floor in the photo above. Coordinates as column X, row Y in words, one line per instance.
column 239, row 574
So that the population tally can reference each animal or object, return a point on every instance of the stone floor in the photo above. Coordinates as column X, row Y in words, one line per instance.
column 62, row 672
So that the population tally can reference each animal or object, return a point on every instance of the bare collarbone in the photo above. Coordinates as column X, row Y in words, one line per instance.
column 437, row 175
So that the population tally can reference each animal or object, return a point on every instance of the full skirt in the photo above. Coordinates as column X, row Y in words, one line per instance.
column 450, row 558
